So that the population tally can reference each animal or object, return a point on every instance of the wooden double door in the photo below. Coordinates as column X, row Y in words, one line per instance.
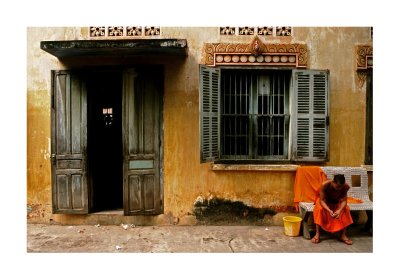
column 107, row 140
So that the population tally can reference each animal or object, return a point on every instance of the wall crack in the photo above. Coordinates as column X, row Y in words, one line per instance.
column 230, row 246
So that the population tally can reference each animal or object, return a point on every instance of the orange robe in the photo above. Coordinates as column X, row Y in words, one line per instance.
column 333, row 199
column 307, row 184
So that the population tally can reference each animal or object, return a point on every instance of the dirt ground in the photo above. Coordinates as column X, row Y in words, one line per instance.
column 182, row 239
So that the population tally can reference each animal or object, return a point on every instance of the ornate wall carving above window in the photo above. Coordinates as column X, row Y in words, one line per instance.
column 283, row 31
column 256, row 53
column 259, row 30
column 364, row 61
column 364, row 57
column 246, row 30
column 265, row 30
column 227, row 30
column 152, row 30
column 115, row 31
column 124, row 31
column 133, row 31
column 97, row 31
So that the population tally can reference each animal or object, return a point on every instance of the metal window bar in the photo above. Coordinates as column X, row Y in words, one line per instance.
column 271, row 116
column 235, row 127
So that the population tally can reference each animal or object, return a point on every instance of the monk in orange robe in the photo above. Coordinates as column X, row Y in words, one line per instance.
column 331, row 212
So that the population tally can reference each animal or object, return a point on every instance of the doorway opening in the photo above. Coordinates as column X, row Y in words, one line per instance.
column 105, row 160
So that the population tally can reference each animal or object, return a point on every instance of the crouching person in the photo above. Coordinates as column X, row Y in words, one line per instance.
column 331, row 212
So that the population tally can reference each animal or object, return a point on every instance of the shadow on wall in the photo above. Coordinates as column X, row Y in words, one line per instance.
column 217, row 211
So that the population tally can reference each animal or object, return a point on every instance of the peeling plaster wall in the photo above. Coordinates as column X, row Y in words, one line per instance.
column 334, row 49
column 38, row 115
column 185, row 178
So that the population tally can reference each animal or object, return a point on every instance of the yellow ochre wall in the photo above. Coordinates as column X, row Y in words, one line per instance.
column 185, row 178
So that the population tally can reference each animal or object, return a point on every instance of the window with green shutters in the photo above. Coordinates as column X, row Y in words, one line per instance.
column 260, row 114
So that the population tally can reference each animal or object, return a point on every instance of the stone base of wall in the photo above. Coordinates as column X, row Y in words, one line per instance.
column 41, row 214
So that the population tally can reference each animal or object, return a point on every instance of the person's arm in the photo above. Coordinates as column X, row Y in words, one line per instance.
column 343, row 203
column 322, row 199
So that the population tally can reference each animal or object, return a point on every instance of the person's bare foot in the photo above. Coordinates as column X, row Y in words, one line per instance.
column 346, row 240
column 315, row 239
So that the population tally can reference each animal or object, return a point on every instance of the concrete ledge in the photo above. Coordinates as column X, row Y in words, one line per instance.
column 81, row 48
column 369, row 168
column 254, row 167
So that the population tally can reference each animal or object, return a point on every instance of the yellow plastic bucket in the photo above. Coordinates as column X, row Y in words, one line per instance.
column 292, row 225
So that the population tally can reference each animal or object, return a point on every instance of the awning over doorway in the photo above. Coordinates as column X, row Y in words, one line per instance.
column 93, row 48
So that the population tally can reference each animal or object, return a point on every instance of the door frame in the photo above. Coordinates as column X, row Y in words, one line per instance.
column 158, row 72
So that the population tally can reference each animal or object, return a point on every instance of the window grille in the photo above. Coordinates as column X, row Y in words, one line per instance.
column 255, row 114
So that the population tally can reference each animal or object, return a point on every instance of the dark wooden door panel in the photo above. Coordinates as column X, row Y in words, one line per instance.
column 134, row 200
column 149, row 193
column 142, row 138
column 69, row 179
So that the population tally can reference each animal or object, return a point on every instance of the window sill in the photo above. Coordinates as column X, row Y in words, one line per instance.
column 254, row 167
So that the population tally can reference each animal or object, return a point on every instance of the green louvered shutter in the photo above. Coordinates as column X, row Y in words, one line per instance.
column 209, row 113
column 310, row 111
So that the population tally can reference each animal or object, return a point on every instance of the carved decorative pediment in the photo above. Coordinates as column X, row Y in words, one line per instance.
column 256, row 53
column 364, row 61
column 364, row 57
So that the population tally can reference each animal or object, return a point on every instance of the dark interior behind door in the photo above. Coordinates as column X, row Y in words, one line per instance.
column 105, row 139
